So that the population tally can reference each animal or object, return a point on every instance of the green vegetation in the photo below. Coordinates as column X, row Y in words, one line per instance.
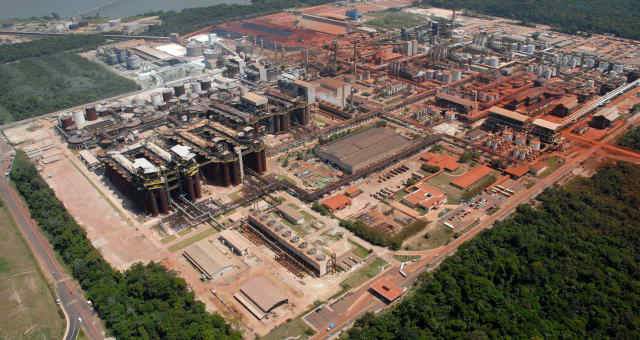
column 192, row 19
column 596, row 16
column 321, row 208
column 492, row 210
column 436, row 148
column 405, row 258
column 468, row 156
column 554, row 163
column 565, row 269
column 193, row 239
column 365, row 273
column 295, row 329
column 478, row 187
column 27, row 302
column 380, row 238
column 631, row 139
column 395, row 18
column 438, row 236
column 49, row 46
column 286, row 178
column 359, row 250
column 40, row 85
column 144, row 302
column 169, row 239
column 430, row 168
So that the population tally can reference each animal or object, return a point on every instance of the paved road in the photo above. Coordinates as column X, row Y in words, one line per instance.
column 79, row 313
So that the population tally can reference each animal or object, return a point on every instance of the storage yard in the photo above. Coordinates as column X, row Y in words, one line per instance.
column 306, row 166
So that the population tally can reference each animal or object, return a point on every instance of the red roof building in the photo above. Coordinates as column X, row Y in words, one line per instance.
column 471, row 177
column 517, row 171
column 386, row 289
column 425, row 197
column 337, row 202
column 443, row 161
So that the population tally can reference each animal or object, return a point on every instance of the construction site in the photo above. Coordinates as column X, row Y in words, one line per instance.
column 263, row 153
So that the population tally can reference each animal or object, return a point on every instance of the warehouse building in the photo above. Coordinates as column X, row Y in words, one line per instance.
column 260, row 296
column 360, row 150
column 290, row 214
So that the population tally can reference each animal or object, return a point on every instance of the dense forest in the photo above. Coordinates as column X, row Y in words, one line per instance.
column 34, row 86
column 49, row 46
column 192, row 19
column 619, row 17
column 566, row 269
column 631, row 139
column 144, row 302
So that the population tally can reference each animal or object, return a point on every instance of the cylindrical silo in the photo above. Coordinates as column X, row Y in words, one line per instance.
column 78, row 117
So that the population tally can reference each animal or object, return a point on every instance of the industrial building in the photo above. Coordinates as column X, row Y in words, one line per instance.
column 362, row 149
column 300, row 250
column 260, row 296
column 206, row 259
column 232, row 239
column 291, row 214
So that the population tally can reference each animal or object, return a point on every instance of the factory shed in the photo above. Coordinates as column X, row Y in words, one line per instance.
column 471, row 177
column 358, row 151
column 260, row 296
column 353, row 191
column 234, row 241
column 463, row 105
column 386, row 290
column 539, row 168
column 337, row 202
column 206, row 259
column 517, row 171
column 603, row 118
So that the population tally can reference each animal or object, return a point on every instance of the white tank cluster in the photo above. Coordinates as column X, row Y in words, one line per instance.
column 78, row 117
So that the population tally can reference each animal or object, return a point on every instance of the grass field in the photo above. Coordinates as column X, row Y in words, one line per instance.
column 27, row 305
column 365, row 273
column 34, row 86
column 554, row 163
column 295, row 329
column 193, row 239
column 442, row 182
column 359, row 250
column 395, row 19
column 438, row 236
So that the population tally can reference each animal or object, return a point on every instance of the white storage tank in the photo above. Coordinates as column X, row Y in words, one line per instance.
column 78, row 117
column 156, row 99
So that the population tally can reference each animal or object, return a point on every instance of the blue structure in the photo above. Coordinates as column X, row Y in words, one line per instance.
column 353, row 13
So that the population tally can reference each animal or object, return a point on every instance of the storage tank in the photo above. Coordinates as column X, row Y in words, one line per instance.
column 205, row 84
column 134, row 62
column 92, row 113
column 194, row 50
column 196, row 87
column 78, row 117
column 65, row 120
column 178, row 90
column 156, row 99
column 139, row 100
column 167, row 95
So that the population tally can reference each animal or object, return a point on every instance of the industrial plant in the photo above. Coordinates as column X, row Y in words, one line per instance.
column 288, row 151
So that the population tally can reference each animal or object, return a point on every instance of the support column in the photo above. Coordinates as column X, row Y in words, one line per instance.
column 198, row 185
column 153, row 204
column 164, row 201
column 227, row 176
column 190, row 188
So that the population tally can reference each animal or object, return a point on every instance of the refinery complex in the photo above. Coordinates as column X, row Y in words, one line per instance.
column 255, row 145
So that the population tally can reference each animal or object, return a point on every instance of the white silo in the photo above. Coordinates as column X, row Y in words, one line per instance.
column 78, row 117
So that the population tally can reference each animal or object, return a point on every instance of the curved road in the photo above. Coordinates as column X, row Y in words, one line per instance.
column 70, row 296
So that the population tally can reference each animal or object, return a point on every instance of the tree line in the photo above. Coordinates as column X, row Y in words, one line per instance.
column 566, row 269
column 631, row 139
column 619, row 17
column 49, row 46
column 143, row 302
